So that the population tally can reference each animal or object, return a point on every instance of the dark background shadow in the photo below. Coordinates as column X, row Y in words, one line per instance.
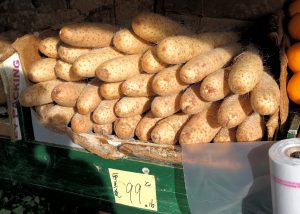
column 50, row 172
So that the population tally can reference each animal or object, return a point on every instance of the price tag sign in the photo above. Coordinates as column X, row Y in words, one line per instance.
column 134, row 189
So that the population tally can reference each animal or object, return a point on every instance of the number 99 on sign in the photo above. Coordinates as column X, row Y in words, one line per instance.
column 134, row 189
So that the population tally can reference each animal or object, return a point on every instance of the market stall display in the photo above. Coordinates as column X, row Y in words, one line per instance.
column 183, row 95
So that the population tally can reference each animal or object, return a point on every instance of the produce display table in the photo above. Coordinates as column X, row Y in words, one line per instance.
column 85, row 176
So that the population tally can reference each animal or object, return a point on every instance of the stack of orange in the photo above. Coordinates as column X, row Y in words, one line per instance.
column 293, row 52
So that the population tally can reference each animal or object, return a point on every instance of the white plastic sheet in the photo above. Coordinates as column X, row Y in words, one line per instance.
column 228, row 178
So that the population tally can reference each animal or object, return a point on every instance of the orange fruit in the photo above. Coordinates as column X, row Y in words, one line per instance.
column 294, row 27
column 293, row 55
column 294, row 8
column 293, row 88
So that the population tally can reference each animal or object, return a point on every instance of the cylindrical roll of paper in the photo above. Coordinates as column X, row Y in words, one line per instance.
column 285, row 176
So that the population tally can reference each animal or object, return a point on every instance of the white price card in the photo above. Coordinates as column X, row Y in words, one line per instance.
column 134, row 189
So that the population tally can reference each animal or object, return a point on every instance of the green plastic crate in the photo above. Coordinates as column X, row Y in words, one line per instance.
column 86, row 175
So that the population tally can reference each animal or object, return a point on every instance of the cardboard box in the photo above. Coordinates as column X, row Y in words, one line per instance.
column 13, row 79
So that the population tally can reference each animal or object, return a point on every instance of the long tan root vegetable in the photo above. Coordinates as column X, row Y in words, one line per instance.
column 225, row 136
column 105, row 113
column 245, row 72
column 154, row 27
column 49, row 46
column 151, row 63
column 58, row 117
column 273, row 124
column 128, row 42
column 145, row 126
column 180, row 49
column 138, row 86
column 166, row 106
column 89, row 98
column 252, row 129
column 81, row 123
column 167, row 81
column 191, row 102
column 88, row 35
column 105, row 129
column 111, row 91
column 234, row 110
column 202, row 127
column 130, row 106
column 265, row 97
column 206, row 63
column 38, row 94
column 167, row 131
column 42, row 70
column 125, row 127
column 87, row 64
column 42, row 111
column 120, row 68
column 67, row 93
column 63, row 71
column 215, row 86
column 70, row 54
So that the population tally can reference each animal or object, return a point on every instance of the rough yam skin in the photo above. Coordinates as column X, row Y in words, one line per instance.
column 70, row 54
column 89, row 98
column 167, row 81
column 138, row 86
column 105, row 129
column 42, row 70
column 215, row 86
column 64, row 72
column 42, row 111
column 128, row 42
column 120, row 68
column 225, row 136
column 202, row 127
column 252, row 129
column 166, row 106
column 105, row 113
column 49, row 46
column 38, row 94
column 111, row 91
column 125, row 127
column 180, row 49
column 87, row 64
column 246, row 72
column 150, row 62
column 67, row 93
column 81, row 123
column 88, row 35
column 234, row 110
column 130, row 106
column 167, row 131
column 145, row 126
column 154, row 27
column 191, row 101
column 265, row 97
column 206, row 63
column 58, row 117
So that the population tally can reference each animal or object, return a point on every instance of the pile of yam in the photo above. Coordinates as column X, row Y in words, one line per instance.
column 156, row 81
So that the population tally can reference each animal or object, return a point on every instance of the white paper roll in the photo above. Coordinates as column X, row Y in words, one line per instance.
column 285, row 176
